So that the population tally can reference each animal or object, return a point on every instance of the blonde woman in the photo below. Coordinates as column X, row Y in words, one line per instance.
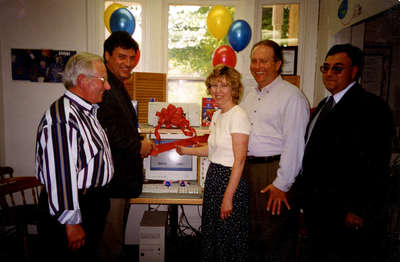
column 225, row 205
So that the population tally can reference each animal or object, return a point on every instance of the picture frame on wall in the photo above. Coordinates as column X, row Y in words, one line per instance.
column 289, row 66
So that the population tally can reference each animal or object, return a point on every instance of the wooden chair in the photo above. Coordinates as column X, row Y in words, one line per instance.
column 19, row 209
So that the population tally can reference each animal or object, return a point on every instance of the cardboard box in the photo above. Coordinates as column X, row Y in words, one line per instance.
column 207, row 110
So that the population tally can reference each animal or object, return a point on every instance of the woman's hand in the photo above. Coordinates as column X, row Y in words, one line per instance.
column 180, row 150
column 226, row 207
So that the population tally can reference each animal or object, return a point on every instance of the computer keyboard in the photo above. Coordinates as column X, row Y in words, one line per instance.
column 173, row 189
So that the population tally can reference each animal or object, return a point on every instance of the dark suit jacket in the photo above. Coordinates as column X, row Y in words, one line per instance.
column 118, row 117
column 345, row 163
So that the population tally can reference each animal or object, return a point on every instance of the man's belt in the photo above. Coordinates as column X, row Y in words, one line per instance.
column 262, row 159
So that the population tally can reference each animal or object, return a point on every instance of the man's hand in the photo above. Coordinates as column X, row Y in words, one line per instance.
column 147, row 146
column 354, row 221
column 276, row 197
column 75, row 235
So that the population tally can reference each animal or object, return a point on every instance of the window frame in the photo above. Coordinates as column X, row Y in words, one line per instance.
column 257, row 26
column 258, row 14
column 165, row 12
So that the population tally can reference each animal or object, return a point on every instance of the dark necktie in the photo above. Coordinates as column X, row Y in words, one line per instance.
column 327, row 108
column 324, row 112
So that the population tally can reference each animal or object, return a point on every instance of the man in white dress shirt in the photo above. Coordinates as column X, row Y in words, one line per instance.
column 279, row 114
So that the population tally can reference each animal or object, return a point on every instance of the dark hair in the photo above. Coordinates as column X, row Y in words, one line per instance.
column 354, row 53
column 119, row 39
column 231, row 75
column 278, row 55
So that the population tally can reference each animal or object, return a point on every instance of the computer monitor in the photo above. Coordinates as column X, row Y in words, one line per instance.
column 170, row 165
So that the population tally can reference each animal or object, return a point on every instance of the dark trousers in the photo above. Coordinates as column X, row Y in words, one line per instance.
column 332, row 241
column 94, row 205
column 271, row 237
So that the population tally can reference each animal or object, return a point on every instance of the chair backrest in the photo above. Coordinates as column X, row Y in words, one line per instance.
column 12, row 191
column 19, row 214
column 6, row 172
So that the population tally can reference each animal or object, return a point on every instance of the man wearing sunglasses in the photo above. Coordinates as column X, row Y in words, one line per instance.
column 345, row 164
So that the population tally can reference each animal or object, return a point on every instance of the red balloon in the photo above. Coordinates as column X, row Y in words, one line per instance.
column 224, row 55
column 137, row 57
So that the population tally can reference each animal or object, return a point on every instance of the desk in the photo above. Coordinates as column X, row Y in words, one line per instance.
column 172, row 200
column 167, row 199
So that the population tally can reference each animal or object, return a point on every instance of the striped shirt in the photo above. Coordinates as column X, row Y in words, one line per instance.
column 72, row 152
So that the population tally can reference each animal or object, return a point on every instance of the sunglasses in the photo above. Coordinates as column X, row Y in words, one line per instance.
column 335, row 69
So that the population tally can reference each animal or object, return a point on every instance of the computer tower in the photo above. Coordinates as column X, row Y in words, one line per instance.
column 153, row 229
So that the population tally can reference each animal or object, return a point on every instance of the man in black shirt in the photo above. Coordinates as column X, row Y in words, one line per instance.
column 118, row 117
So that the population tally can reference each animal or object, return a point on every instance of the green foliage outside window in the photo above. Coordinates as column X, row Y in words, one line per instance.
column 266, row 23
column 267, row 27
column 190, row 44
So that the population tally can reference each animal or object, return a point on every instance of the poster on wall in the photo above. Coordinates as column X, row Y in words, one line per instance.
column 39, row 65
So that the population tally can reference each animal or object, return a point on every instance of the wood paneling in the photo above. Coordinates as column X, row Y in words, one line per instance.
column 145, row 86
column 295, row 80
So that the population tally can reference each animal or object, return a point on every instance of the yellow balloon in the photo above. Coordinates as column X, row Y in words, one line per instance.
column 109, row 11
column 218, row 21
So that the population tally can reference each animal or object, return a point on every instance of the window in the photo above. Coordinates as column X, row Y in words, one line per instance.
column 190, row 50
column 136, row 9
column 281, row 23
column 186, row 91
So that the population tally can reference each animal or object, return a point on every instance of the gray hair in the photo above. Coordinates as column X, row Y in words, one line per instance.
column 81, row 63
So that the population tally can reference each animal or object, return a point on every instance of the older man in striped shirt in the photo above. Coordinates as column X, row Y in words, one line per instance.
column 73, row 161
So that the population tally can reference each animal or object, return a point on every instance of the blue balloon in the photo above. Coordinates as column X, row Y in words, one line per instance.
column 122, row 20
column 239, row 35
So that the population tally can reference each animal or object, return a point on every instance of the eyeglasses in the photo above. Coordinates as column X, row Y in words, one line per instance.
column 221, row 86
column 335, row 69
column 102, row 79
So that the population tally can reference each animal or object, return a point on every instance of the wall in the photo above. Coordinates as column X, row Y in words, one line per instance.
column 358, row 10
column 36, row 24
column 2, row 137
column 330, row 26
